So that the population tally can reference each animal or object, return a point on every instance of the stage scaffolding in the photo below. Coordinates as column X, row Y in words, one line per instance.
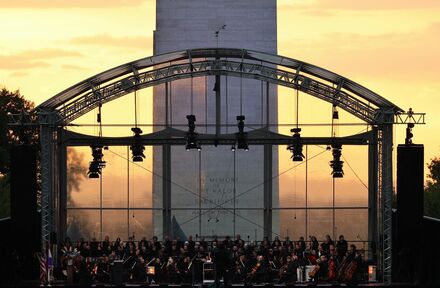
column 55, row 114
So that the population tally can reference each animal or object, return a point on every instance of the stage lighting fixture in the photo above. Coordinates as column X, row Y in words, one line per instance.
column 97, row 163
column 335, row 112
column 336, row 164
column 191, row 136
column 241, row 136
column 409, row 134
column 94, row 170
column 296, row 146
column 137, row 148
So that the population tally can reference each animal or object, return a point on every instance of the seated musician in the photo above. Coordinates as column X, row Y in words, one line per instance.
column 259, row 273
column 140, row 272
column 184, row 266
column 286, row 273
column 349, row 270
column 241, row 269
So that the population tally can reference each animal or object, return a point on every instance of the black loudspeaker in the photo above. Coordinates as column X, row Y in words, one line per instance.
column 409, row 222
column 25, row 230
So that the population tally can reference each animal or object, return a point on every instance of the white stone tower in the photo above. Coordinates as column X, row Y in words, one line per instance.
column 187, row 24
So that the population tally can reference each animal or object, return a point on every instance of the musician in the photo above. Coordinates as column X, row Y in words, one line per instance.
column 276, row 242
column 184, row 269
column 287, row 272
column 191, row 246
column 314, row 244
column 156, row 243
column 100, row 271
column 237, row 240
column 326, row 244
column 322, row 274
column 259, row 273
column 139, row 271
column 312, row 257
column 302, row 244
column 84, row 272
column 158, row 272
column 287, row 242
column 333, row 263
column 241, row 269
column 172, row 271
column 221, row 262
column 341, row 248
column 274, row 264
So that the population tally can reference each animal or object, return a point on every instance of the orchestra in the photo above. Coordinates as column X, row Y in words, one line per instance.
column 179, row 262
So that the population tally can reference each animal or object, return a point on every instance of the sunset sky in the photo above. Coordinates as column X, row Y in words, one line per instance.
column 391, row 47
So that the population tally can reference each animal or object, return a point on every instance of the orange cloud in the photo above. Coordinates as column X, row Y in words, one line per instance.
column 393, row 55
column 72, row 67
column 141, row 42
column 33, row 58
column 68, row 4
column 360, row 5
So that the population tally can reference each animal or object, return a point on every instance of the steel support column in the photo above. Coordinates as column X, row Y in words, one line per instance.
column 387, row 193
column 267, row 191
column 46, row 141
column 372, row 196
column 166, row 193
column 218, row 106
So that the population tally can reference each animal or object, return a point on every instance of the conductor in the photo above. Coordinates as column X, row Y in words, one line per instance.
column 221, row 262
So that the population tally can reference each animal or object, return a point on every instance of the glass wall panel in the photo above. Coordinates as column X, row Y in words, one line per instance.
column 352, row 223
column 84, row 224
column 140, row 178
column 319, row 179
column 141, row 224
column 352, row 190
column 320, row 223
column 114, row 224
column 292, row 223
column 81, row 190
column 115, row 177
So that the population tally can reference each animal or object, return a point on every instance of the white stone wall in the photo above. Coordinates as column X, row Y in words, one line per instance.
column 186, row 24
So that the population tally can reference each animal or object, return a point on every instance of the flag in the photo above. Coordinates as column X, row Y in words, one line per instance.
column 43, row 270
column 49, row 260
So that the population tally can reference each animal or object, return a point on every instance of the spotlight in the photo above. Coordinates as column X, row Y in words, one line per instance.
column 296, row 146
column 233, row 148
column 96, row 165
column 409, row 134
column 336, row 164
column 191, row 135
column 335, row 112
column 137, row 148
column 94, row 170
column 241, row 136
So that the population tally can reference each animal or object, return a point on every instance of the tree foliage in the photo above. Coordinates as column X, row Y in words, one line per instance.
column 13, row 103
column 432, row 190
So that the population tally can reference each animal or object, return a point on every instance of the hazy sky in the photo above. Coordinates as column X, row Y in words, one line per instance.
column 391, row 47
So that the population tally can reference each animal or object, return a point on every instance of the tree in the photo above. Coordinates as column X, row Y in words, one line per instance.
column 11, row 103
column 432, row 190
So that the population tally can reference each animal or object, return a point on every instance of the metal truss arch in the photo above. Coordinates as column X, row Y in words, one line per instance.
column 318, row 82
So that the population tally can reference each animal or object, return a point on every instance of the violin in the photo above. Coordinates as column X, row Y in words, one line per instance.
column 255, row 268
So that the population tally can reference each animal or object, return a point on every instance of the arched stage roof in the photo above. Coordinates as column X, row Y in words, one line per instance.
column 146, row 72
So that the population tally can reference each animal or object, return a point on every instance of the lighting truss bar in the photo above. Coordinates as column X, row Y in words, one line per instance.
column 176, row 137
